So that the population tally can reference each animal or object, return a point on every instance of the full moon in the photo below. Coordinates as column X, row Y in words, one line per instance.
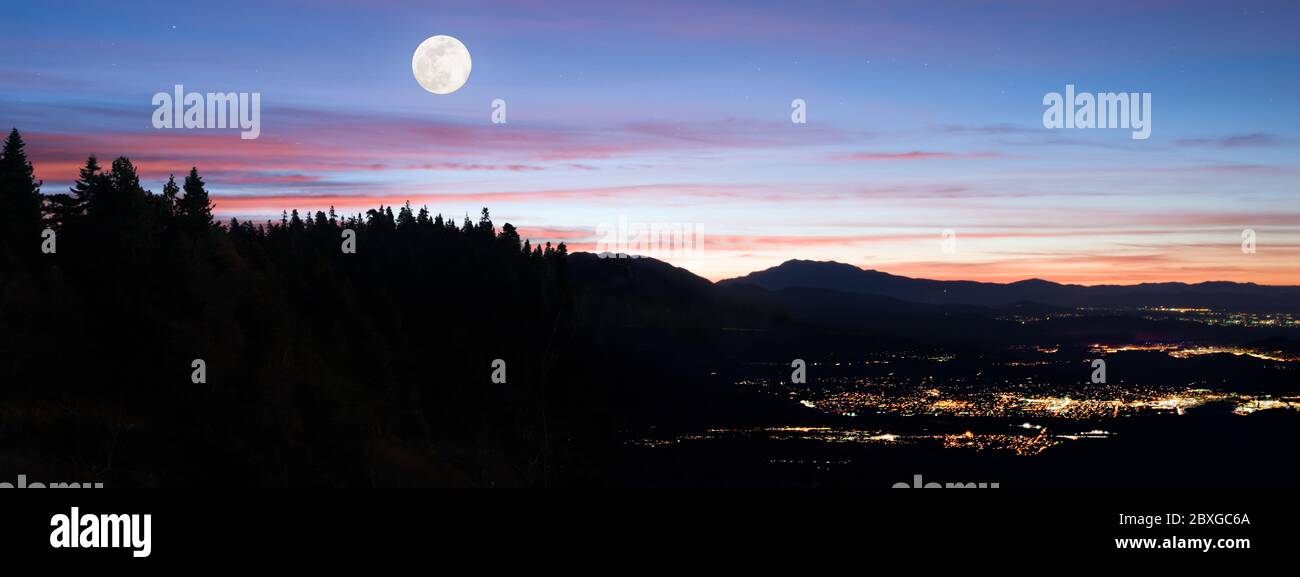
column 441, row 64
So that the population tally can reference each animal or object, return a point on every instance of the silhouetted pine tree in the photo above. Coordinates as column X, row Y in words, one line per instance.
column 195, row 208
column 20, row 199
column 121, row 216
column 405, row 218
column 509, row 237
column 169, row 200
column 66, row 209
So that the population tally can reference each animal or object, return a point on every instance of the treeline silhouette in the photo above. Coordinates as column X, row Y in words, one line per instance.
column 322, row 367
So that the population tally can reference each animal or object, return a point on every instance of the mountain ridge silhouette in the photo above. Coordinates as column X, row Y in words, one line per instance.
column 843, row 277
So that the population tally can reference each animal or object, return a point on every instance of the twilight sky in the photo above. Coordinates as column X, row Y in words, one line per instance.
column 922, row 116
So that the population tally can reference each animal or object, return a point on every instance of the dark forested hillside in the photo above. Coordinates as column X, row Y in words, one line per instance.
column 322, row 366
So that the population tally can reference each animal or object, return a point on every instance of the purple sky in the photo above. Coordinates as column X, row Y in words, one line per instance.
column 922, row 116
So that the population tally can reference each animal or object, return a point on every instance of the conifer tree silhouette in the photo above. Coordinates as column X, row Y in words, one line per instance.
column 195, row 208
column 20, row 197
column 169, row 200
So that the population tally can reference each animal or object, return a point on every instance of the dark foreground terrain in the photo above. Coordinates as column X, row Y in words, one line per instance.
column 150, row 345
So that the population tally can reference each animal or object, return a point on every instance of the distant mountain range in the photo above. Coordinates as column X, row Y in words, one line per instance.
column 842, row 277
column 645, row 275
column 829, row 306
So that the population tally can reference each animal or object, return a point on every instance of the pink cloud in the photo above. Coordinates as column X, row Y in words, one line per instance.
column 918, row 155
